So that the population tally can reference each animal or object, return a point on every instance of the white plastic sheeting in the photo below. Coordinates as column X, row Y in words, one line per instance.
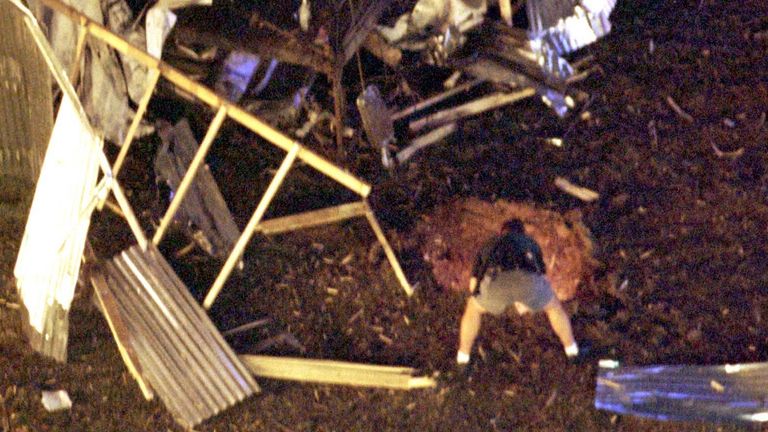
column 54, row 238
column 567, row 25
column 433, row 15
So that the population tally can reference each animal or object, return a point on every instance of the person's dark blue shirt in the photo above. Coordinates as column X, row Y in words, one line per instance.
column 508, row 252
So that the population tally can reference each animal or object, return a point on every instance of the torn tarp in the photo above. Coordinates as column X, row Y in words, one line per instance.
column 736, row 392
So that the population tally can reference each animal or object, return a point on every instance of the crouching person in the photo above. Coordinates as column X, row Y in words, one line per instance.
column 509, row 270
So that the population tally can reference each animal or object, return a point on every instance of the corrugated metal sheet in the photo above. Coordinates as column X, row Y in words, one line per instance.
column 711, row 393
column 182, row 355
column 203, row 207
column 48, row 264
column 26, row 106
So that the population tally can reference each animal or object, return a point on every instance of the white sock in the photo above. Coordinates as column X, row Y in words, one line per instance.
column 572, row 350
column 462, row 358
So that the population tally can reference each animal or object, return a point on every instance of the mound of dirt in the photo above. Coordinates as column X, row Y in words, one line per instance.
column 451, row 236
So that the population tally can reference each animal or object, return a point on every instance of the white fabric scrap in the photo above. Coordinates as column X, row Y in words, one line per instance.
column 436, row 14
column 56, row 400
column 48, row 263
column 160, row 21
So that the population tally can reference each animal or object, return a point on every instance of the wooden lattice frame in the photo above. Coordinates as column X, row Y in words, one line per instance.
column 224, row 109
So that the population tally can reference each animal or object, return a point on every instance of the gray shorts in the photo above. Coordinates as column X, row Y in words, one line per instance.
column 516, row 286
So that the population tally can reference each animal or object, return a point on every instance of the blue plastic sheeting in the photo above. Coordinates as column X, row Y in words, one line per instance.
column 239, row 69
column 707, row 393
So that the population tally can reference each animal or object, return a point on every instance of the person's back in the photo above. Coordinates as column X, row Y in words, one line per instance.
column 515, row 251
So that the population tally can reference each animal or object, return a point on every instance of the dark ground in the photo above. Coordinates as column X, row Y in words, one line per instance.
column 683, row 226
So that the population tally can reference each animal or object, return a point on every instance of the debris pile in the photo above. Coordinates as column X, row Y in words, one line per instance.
column 453, row 234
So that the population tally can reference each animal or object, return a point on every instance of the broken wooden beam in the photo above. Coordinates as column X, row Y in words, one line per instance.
column 336, row 372
column 312, row 218
column 468, row 109
column 262, row 39
column 426, row 103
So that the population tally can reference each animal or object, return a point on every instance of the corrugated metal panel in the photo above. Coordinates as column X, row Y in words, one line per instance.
column 711, row 393
column 203, row 206
column 26, row 107
column 48, row 264
column 182, row 355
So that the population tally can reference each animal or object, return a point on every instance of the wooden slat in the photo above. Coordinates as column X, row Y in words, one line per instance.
column 312, row 218
column 468, row 109
column 335, row 372
column 388, row 251
column 191, row 173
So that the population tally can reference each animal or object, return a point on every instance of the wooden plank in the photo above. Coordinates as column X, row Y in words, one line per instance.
column 426, row 103
column 260, row 38
column 388, row 251
column 335, row 372
column 312, row 218
column 423, row 141
column 475, row 107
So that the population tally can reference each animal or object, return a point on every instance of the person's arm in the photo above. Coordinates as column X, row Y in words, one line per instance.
column 481, row 260
column 538, row 259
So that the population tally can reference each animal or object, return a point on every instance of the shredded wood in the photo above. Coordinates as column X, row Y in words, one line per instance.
column 579, row 192
column 679, row 111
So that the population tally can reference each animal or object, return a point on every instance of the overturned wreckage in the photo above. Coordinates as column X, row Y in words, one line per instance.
column 456, row 35
column 165, row 337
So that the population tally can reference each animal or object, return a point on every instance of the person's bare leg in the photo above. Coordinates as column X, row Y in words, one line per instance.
column 561, row 324
column 470, row 326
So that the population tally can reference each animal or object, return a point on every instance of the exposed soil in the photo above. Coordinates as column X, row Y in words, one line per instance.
column 679, row 235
